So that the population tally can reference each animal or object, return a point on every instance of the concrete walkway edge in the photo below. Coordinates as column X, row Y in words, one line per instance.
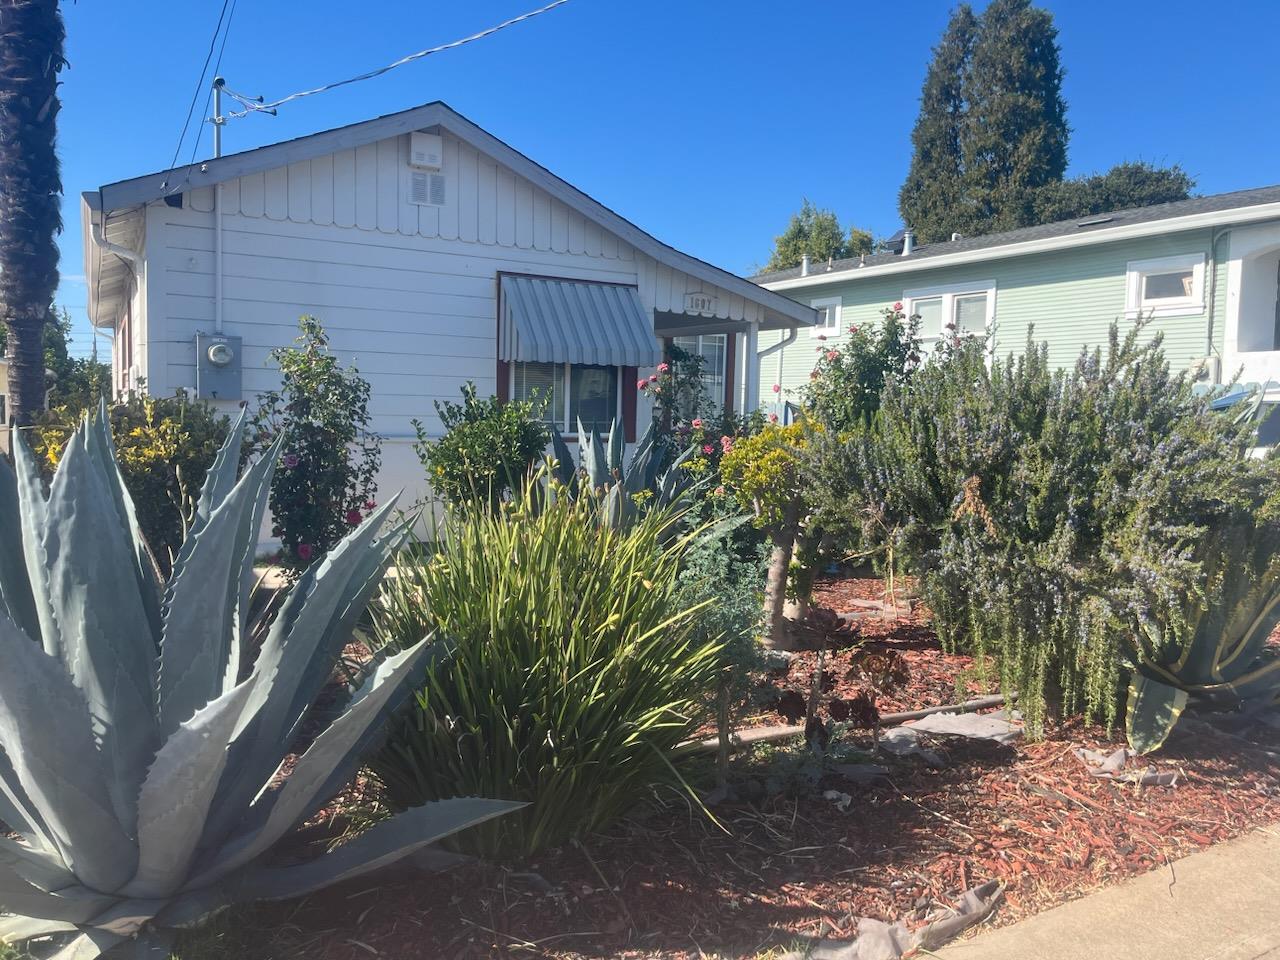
column 1222, row 903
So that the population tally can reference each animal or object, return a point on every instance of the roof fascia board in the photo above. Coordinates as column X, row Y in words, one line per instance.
column 129, row 193
column 1237, row 215
column 574, row 198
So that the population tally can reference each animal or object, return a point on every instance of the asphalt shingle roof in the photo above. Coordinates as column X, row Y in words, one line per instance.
column 1096, row 223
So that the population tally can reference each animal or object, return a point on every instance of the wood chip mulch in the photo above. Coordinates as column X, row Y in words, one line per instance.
column 788, row 865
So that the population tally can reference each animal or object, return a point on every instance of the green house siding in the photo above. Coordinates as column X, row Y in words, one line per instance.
column 1066, row 298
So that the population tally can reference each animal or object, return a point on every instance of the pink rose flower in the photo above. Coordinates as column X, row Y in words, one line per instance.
column 720, row 491
column 726, row 444
column 304, row 551
column 832, row 354
column 370, row 504
column 653, row 378
column 697, row 423
column 354, row 517
column 290, row 460
column 777, row 388
column 897, row 307
column 773, row 418
column 641, row 384
column 853, row 329
column 708, row 449
column 664, row 367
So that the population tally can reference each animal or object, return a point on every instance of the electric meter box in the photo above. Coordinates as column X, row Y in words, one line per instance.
column 218, row 367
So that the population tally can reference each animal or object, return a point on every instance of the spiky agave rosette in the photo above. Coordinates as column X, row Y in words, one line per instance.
column 135, row 768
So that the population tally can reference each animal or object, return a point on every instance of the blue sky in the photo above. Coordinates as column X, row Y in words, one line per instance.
column 703, row 122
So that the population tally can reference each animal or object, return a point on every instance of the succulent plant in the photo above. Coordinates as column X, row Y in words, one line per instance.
column 139, row 749
column 624, row 485
column 1222, row 662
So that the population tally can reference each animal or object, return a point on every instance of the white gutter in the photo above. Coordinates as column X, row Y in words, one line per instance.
column 124, row 253
column 790, row 338
column 1234, row 217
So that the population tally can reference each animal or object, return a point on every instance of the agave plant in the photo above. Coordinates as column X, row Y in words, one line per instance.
column 1222, row 661
column 624, row 486
column 139, row 751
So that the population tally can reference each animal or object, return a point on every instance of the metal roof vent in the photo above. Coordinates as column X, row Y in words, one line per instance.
column 426, row 189
column 908, row 242
column 426, row 151
column 804, row 265
column 956, row 236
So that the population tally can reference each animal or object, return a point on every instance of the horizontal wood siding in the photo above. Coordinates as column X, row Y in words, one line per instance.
column 406, row 292
column 1067, row 299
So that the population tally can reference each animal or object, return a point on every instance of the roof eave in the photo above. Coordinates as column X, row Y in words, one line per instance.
column 140, row 190
column 1216, row 218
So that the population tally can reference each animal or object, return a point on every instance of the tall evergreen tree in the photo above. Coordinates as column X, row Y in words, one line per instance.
column 931, row 200
column 31, row 37
column 1014, row 136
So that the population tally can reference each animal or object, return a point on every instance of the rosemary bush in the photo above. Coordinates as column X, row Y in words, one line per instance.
column 577, row 667
column 1049, row 512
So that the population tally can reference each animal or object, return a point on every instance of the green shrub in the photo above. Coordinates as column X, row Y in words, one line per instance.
column 1047, row 511
column 163, row 447
column 487, row 450
column 326, row 480
column 844, row 388
column 141, row 752
column 576, row 669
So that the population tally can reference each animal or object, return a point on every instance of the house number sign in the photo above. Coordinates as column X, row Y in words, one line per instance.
column 699, row 303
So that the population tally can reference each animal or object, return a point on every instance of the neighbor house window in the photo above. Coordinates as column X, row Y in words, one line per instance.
column 569, row 393
column 828, row 324
column 713, row 349
column 1165, row 286
column 965, row 310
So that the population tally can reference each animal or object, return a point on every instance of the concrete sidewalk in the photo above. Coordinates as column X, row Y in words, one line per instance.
column 1224, row 904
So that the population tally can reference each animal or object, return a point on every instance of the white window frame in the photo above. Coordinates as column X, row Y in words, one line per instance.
column 569, row 431
column 724, row 370
column 949, row 292
column 831, row 329
column 1136, row 272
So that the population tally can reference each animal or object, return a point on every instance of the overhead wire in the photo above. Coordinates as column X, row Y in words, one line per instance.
column 217, row 65
column 195, row 94
column 257, row 106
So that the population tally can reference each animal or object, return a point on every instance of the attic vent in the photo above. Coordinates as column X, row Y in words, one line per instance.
column 426, row 188
column 1094, row 222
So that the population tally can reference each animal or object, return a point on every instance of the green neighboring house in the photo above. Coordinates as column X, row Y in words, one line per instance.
column 1206, row 270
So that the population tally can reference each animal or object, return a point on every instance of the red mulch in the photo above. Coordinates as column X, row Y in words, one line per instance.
column 790, row 865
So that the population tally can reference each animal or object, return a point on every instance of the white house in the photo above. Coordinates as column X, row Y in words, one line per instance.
column 434, row 254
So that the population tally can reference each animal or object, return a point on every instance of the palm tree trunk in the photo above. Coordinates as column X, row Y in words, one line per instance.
column 31, row 36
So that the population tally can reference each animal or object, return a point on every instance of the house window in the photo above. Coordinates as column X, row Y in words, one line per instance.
column 966, row 310
column 1165, row 286
column 713, row 348
column 591, row 395
column 828, row 324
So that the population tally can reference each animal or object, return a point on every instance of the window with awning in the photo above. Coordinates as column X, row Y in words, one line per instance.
column 568, row 344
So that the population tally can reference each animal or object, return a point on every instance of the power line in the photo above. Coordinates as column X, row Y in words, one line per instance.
column 217, row 66
column 254, row 106
column 195, row 94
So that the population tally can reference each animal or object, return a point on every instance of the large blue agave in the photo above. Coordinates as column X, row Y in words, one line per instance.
column 135, row 764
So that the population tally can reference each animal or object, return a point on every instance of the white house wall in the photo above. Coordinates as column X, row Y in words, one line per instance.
column 406, row 292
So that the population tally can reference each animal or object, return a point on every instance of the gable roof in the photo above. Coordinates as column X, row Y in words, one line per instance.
column 140, row 190
column 1260, row 203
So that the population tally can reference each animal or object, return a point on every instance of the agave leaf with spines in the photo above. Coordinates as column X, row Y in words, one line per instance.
column 138, row 748
column 1218, row 658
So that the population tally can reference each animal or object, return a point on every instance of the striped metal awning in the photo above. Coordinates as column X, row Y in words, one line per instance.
column 548, row 320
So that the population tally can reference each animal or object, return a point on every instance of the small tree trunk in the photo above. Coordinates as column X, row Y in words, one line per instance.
column 775, row 591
